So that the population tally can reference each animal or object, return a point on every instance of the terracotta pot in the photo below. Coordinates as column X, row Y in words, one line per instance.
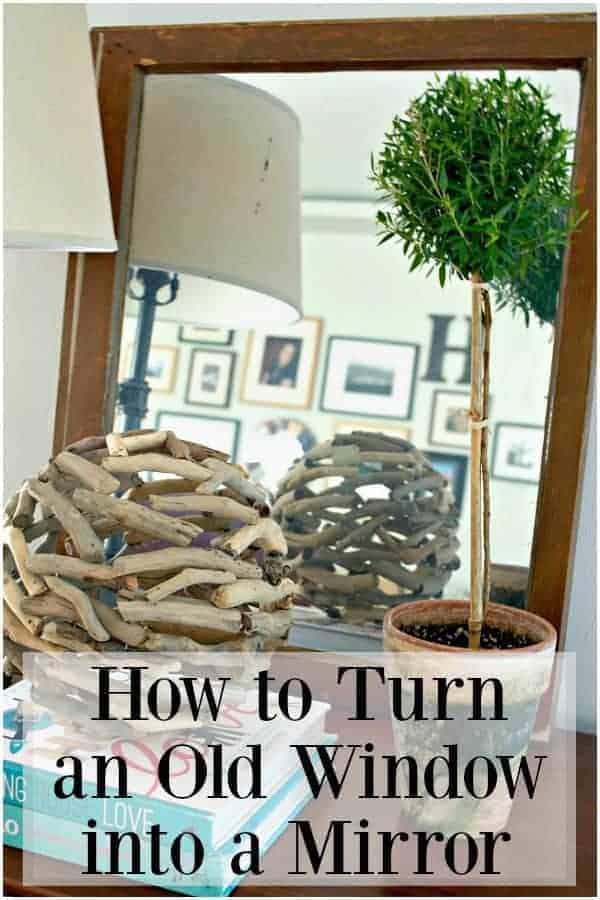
column 447, row 612
column 534, row 663
column 523, row 673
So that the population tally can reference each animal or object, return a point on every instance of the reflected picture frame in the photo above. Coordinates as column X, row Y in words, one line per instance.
column 444, row 432
column 266, row 372
column 197, row 334
column 213, row 385
column 162, row 382
column 386, row 384
column 516, row 458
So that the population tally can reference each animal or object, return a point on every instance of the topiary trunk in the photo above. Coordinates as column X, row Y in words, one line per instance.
column 480, row 478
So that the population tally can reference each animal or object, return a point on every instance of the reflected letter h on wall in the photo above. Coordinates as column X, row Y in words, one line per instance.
column 440, row 346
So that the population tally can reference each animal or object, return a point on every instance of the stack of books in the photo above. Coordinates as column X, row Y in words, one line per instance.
column 36, row 820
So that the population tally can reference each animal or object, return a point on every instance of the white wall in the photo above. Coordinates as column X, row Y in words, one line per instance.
column 183, row 13
column 33, row 308
column 34, row 287
column 581, row 637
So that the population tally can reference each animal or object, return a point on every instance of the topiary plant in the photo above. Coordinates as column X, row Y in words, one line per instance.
column 476, row 178
column 537, row 291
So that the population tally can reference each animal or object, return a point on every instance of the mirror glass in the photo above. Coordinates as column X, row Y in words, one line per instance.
column 380, row 349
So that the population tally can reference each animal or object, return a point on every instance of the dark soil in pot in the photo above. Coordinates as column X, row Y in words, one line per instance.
column 457, row 635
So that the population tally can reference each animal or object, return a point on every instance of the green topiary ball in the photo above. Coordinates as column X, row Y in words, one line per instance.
column 477, row 179
column 537, row 292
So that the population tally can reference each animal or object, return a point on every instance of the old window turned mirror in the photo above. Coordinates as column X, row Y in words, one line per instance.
column 379, row 348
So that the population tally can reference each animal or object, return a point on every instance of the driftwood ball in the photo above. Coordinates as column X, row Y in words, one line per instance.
column 368, row 521
column 195, row 557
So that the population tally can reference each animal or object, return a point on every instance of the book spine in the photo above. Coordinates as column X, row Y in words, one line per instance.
column 13, row 825
column 34, row 789
column 216, row 880
column 62, row 839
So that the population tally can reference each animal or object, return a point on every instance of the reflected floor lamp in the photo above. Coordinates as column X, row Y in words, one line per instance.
column 215, row 237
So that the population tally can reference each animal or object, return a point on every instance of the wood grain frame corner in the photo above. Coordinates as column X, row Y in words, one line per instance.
column 95, row 284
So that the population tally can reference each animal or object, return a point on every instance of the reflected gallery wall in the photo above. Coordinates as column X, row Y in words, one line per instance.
column 379, row 347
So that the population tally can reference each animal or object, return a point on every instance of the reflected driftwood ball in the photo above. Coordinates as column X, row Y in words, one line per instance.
column 200, row 562
column 369, row 523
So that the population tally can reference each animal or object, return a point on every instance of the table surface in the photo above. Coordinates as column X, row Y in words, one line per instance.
column 585, row 856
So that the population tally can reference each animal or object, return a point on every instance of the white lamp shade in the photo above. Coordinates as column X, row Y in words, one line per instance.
column 217, row 198
column 55, row 187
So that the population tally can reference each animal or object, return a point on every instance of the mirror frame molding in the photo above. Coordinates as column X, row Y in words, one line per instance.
column 96, row 282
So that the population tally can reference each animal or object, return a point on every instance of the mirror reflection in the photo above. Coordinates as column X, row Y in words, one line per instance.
column 379, row 350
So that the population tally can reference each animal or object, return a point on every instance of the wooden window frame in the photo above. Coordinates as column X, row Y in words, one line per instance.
column 96, row 282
